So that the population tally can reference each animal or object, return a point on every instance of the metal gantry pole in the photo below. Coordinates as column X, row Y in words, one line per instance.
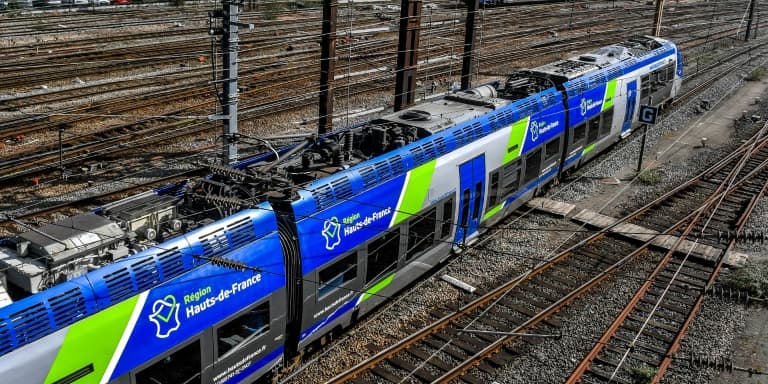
column 407, row 53
column 327, row 66
column 61, row 150
column 229, row 31
column 469, row 44
column 749, row 20
column 657, row 18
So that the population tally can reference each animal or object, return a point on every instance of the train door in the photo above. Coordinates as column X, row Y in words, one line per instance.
column 630, row 110
column 472, row 185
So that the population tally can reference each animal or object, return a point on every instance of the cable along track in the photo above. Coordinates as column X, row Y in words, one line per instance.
column 647, row 333
column 490, row 331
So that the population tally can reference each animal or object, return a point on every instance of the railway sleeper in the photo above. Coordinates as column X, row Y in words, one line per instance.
column 639, row 356
column 438, row 344
column 604, row 376
column 523, row 288
column 681, row 280
column 421, row 372
column 673, row 308
column 681, row 285
column 540, row 280
column 595, row 255
column 538, row 301
column 640, row 344
column 470, row 344
column 649, row 333
column 384, row 374
column 565, row 278
column 440, row 364
column 496, row 324
column 698, row 267
column 656, row 324
column 682, row 302
column 578, row 272
column 529, row 313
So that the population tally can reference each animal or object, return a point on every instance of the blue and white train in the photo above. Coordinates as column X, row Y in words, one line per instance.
column 224, row 279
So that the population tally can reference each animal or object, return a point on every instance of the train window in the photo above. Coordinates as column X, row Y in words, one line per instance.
column 447, row 219
column 606, row 122
column 670, row 72
column 244, row 328
column 510, row 178
column 478, row 200
column 421, row 233
column 552, row 149
column 382, row 255
column 593, row 128
column 579, row 133
column 532, row 166
column 337, row 274
column 182, row 366
column 645, row 84
column 465, row 207
column 493, row 193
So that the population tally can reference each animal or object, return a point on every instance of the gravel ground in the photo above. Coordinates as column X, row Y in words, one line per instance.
column 552, row 360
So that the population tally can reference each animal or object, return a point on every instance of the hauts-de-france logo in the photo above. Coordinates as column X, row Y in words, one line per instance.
column 332, row 233
column 534, row 130
column 584, row 105
column 165, row 315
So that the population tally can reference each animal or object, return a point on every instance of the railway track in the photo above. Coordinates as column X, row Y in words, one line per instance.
column 123, row 137
column 648, row 332
column 259, row 99
column 467, row 342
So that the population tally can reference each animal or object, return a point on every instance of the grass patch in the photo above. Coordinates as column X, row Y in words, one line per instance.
column 642, row 374
column 757, row 75
column 753, row 278
column 650, row 177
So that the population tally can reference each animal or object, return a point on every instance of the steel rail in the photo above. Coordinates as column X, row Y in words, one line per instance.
column 450, row 319
column 728, row 185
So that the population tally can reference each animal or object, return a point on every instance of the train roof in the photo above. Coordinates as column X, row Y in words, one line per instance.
column 445, row 112
column 341, row 186
column 600, row 58
column 73, row 234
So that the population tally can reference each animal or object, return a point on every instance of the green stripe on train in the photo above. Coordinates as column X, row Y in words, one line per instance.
column 515, row 143
column 493, row 211
column 415, row 193
column 92, row 340
column 588, row 149
column 377, row 287
column 610, row 92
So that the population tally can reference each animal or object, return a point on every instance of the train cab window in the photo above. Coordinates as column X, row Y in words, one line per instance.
column 382, row 255
column 446, row 219
column 244, row 328
column 670, row 72
column 552, row 149
column 579, row 133
column 182, row 366
column 532, row 166
column 337, row 274
column 493, row 192
column 510, row 180
column 421, row 233
column 606, row 121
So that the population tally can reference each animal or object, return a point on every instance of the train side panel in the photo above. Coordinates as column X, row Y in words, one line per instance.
column 165, row 333
column 603, row 106
column 363, row 249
